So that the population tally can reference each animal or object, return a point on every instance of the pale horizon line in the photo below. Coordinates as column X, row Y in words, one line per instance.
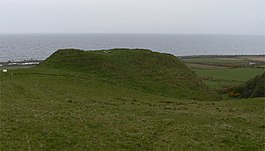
column 133, row 33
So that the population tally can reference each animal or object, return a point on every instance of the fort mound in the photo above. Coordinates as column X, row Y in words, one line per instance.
column 145, row 70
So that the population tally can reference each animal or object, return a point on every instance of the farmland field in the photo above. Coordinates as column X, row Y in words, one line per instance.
column 222, row 71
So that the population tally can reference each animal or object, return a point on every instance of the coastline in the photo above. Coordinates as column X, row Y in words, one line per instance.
column 19, row 64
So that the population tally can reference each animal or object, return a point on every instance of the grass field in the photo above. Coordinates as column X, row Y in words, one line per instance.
column 220, row 71
column 222, row 77
column 58, row 109
column 227, row 61
column 42, row 111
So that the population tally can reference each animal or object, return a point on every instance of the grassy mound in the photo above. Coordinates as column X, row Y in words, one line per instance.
column 151, row 72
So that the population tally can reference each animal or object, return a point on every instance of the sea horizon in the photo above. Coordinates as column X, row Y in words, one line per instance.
column 38, row 46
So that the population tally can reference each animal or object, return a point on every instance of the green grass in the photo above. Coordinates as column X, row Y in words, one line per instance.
column 216, row 71
column 227, row 61
column 230, row 76
column 152, row 72
column 219, row 84
column 52, row 110
column 59, row 106
column 218, row 61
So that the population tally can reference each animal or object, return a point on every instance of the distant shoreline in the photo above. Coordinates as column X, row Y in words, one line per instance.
column 20, row 63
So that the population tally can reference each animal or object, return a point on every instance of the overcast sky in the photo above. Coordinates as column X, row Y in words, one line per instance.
column 133, row 16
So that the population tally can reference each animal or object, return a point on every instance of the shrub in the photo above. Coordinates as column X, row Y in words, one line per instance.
column 254, row 87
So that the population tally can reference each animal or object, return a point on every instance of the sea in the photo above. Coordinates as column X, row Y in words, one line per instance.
column 19, row 47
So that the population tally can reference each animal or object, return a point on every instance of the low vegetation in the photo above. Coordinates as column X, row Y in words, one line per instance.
column 253, row 88
column 104, row 103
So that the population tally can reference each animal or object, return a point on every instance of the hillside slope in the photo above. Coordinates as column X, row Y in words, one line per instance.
column 65, row 108
column 151, row 72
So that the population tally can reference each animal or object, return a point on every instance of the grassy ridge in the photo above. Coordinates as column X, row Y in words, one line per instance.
column 148, row 71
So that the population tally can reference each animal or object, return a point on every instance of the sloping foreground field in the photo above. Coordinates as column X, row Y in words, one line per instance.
column 56, row 109
column 46, row 111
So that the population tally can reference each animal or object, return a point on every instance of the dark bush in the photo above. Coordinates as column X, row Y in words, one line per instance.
column 255, row 87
